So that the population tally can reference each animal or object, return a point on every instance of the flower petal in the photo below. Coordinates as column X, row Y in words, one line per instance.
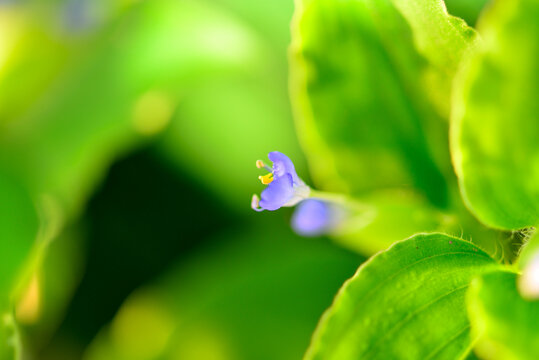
column 277, row 193
column 312, row 217
column 283, row 165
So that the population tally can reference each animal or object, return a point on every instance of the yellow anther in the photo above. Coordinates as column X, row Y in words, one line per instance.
column 266, row 179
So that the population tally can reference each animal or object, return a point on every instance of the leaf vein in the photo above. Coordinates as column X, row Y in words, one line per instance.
column 412, row 315
column 344, row 290
column 440, row 348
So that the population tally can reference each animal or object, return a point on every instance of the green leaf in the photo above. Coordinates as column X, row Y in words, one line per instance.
column 495, row 127
column 370, row 85
column 18, row 231
column 367, row 231
column 505, row 323
column 530, row 247
column 442, row 39
column 55, row 277
column 468, row 10
column 404, row 303
column 22, row 80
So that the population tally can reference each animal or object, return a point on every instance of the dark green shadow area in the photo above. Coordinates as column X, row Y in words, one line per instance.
column 152, row 225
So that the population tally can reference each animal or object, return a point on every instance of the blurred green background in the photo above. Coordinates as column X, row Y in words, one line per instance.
column 128, row 135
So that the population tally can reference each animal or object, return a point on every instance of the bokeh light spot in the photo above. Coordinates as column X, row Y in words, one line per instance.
column 152, row 112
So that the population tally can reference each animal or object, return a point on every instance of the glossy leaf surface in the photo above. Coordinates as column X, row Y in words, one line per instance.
column 371, row 84
column 404, row 303
column 495, row 130
column 505, row 323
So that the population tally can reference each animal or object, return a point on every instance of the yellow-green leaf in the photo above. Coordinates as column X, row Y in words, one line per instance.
column 495, row 131
column 371, row 85
column 506, row 324
column 405, row 303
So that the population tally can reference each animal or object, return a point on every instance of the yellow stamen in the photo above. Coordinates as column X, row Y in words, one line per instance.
column 266, row 179
column 260, row 164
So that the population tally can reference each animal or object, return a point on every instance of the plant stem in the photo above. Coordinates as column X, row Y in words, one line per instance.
column 339, row 199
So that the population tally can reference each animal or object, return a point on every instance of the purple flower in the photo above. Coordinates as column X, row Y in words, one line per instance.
column 314, row 217
column 285, row 188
